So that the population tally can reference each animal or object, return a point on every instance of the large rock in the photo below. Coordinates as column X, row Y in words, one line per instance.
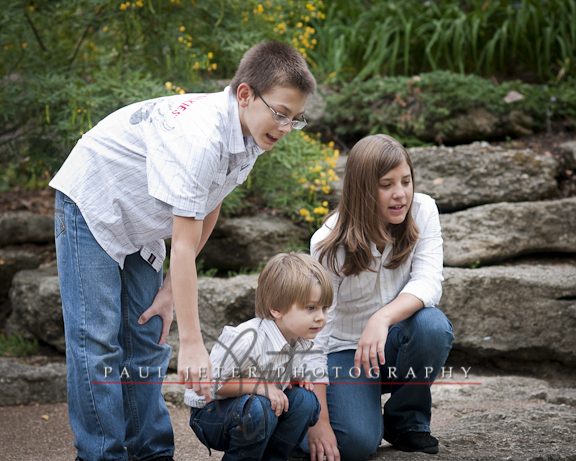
column 16, row 228
column 249, row 242
column 221, row 302
column 464, row 176
column 523, row 312
column 492, row 233
column 568, row 149
column 12, row 261
column 21, row 384
column 37, row 307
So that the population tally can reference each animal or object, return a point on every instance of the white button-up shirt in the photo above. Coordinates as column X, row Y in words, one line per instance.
column 358, row 297
column 253, row 349
column 176, row 155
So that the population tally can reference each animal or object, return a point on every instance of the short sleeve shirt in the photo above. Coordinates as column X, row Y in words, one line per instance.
column 177, row 155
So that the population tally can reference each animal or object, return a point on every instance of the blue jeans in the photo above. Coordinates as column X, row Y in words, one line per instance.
column 246, row 428
column 354, row 404
column 115, row 412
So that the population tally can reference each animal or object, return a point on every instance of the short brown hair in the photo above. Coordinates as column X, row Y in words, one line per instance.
column 269, row 65
column 358, row 222
column 288, row 279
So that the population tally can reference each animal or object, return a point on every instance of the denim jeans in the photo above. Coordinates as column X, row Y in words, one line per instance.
column 354, row 404
column 116, row 413
column 246, row 427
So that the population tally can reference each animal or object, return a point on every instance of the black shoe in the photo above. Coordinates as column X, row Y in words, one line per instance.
column 412, row 441
column 164, row 458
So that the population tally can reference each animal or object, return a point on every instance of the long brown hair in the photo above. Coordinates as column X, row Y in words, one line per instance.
column 358, row 222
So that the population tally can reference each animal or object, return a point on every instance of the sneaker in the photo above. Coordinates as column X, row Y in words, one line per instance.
column 412, row 441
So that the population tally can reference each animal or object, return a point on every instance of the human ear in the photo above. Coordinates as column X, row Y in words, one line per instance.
column 244, row 94
column 276, row 314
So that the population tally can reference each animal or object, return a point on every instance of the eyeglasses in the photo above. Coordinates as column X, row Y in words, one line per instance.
column 281, row 118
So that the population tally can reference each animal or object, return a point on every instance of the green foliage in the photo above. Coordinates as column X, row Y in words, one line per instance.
column 293, row 178
column 358, row 40
column 422, row 108
column 65, row 65
column 16, row 346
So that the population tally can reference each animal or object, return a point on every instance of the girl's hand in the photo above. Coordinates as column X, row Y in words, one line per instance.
column 278, row 400
column 162, row 306
column 371, row 345
column 322, row 442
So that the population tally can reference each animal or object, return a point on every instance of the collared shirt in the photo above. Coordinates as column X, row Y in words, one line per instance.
column 358, row 297
column 253, row 349
column 176, row 155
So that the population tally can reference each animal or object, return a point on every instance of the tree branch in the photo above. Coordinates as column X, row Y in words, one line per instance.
column 36, row 34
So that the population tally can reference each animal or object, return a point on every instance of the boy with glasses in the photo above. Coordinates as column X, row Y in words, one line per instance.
column 150, row 171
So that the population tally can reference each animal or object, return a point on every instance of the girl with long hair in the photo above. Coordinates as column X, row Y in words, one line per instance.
column 383, row 249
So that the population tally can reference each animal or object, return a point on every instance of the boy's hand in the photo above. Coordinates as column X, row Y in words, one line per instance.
column 302, row 382
column 162, row 306
column 194, row 369
column 278, row 400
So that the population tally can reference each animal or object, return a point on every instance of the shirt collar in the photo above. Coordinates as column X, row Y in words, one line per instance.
column 236, row 143
column 278, row 340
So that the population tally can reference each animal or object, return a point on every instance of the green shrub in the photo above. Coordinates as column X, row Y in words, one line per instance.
column 294, row 178
column 421, row 109
column 16, row 346
column 359, row 40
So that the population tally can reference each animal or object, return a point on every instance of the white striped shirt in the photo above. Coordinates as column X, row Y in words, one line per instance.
column 253, row 349
column 177, row 155
column 358, row 297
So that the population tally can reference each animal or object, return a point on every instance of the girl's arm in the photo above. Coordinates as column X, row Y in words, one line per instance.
column 321, row 438
column 424, row 288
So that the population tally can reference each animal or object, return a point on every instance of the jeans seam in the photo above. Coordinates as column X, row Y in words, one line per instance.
column 128, row 348
column 83, row 342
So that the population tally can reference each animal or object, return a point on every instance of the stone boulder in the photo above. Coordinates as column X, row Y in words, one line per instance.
column 11, row 262
column 522, row 312
column 17, row 228
column 221, row 302
column 21, row 384
column 249, row 242
column 37, row 307
column 491, row 233
column 465, row 176
column 568, row 149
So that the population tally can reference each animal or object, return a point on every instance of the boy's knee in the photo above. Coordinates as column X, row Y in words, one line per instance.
column 257, row 422
column 304, row 403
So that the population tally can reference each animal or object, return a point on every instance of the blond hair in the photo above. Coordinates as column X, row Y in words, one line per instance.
column 358, row 223
column 269, row 65
column 288, row 279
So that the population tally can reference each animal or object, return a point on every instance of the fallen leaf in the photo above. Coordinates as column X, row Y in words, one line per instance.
column 437, row 181
column 46, row 417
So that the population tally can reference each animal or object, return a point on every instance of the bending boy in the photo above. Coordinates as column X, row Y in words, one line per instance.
column 254, row 412
column 150, row 171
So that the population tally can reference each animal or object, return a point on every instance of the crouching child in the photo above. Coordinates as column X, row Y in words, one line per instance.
column 262, row 403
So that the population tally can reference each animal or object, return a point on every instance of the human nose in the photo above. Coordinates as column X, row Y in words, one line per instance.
column 286, row 129
column 398, row 192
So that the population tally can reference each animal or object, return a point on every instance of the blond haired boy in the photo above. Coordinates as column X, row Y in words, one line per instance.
column 255, row 412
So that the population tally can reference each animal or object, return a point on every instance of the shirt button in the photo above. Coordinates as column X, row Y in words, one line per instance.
column 385, row 286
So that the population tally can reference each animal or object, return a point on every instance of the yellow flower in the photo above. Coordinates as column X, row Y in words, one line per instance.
column 309, row 219
column 182, row 28
column 312, row 188
column 196, row 65
column 24, row 45
column 320, row 210
column 139, row 3
column 325, row 204
column 180, row 39
column 123, row 6
column 326, row 189
column 301, row 180
column 168, row 85
column 210, row 55
column 214, row 66
column 310, row 6
column 105, row 29
column 304, row 212
column 299, row 25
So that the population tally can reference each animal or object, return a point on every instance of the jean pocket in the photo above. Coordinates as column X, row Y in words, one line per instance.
column 199, row 432
column 59, row 226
